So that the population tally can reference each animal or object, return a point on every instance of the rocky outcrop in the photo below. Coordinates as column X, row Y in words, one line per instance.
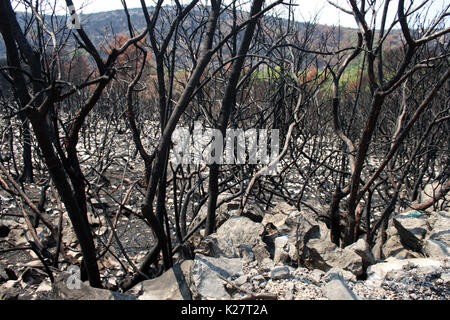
column 411, row 228
column 62, row 291
column 394, row 248
column 397, row 269
column 208, row 274
column 173, row 284
column 436, row 248
column 289, row 229
column 437, row 240
column 237, row 237
column 362, row 248
column 417, row 234
column 284, row 250
column 278, row 273
column 337, row 289
column 323, row 254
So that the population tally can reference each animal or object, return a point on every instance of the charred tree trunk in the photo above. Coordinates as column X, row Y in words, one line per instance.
column 228, row 103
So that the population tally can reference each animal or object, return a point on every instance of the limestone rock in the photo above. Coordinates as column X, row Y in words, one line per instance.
column 394, row 248
column 266, row 265
column 246, row 253
column 241, row 280
column 346, row 275
column 289, row 230
column 280, row 273
column 437, row 243
column 362, row 248
column 281, row 249
column 173, row 284
column 436, row 248
column 61, row 291
column 323, row 254
column 411, row 227
column 418, row 234
column 234, row 233
column 378, row 272
column 337, row 289
column 45, row 286
column 207, row 273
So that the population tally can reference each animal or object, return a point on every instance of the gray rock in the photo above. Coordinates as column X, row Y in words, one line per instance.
column 246, row 253
column 436, row 248
column 337, row 289
column 44, row 287
column 173, row 284
column 396, row 275
column 285, row 221
column 279, row 273
column 440, row 227
column 258, row 278
column 266, row 265
column 362, row 248
column 430, row 271
column 317, row 275
column 418, row 234
column 411, row 227
column 281, row 249
column 68, row 236
column 377, row 273
column 346, row 275
column 394, row 248
column 323, row 254
column 61, row 291
column 282, row 217
column 377, row 250
column 207, row 273
column 260, row 251
column 234, row 233
column 446, row 278
column 241, row 280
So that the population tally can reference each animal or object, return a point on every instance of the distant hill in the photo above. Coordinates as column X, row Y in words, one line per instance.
column 101, row 26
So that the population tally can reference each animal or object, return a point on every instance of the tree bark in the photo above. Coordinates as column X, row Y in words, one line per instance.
column 228, row 103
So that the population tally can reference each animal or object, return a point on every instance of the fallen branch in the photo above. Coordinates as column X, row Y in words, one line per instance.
column 27, row 200
column 442, row 191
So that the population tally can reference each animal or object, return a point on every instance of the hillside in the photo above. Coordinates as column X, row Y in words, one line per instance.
column 102, row 25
